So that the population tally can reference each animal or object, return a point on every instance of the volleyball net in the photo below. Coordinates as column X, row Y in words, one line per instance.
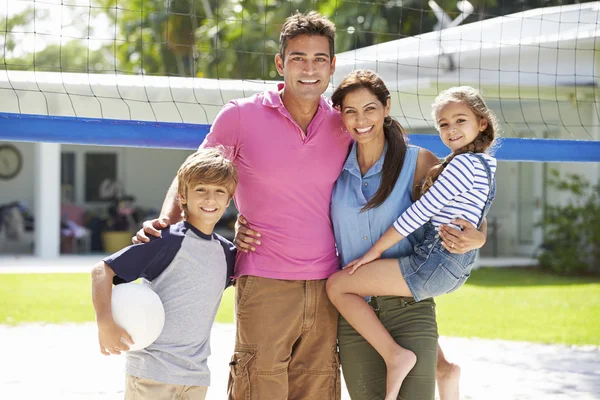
column 155, row 73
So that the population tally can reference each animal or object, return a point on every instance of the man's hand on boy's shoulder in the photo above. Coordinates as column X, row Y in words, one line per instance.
column 152, row 228
column 109, row 337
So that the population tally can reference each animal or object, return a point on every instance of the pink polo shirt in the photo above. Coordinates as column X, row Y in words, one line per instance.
column 285, row 183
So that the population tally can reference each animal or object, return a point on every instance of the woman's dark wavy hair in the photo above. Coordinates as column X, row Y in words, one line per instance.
column 393, row 131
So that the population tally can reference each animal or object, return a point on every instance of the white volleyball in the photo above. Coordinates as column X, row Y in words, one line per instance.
column 138, row 310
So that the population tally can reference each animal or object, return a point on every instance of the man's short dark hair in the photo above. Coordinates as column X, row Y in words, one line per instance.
column 312, row 24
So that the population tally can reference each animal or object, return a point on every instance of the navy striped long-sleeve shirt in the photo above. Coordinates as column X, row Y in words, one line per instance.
column 460, row 191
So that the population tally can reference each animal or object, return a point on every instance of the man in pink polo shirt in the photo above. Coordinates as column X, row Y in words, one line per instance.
column 289, row 146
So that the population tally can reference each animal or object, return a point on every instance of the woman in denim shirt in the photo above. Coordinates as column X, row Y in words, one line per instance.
column 378, row 182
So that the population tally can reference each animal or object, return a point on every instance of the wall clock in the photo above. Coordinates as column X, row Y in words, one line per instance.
column 11, row 161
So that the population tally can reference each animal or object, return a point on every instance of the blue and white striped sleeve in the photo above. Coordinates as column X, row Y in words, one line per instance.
column 456, row 179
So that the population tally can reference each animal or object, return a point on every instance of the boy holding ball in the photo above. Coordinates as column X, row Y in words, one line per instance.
column 189, row 267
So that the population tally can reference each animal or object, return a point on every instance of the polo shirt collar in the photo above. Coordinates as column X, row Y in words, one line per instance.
column 351, row 164
column 272, row 99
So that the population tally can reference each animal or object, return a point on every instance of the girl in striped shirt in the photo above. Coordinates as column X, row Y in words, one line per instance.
column 463, row 186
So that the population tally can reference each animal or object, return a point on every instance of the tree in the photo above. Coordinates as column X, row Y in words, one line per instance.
column 235, row 39
column 572, row 230
column 73, row 56
column 66, row 56
column 163, row 37
column 9, row 25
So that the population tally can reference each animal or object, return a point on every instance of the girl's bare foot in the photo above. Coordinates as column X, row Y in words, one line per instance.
column 397, row 370
column 448, row 379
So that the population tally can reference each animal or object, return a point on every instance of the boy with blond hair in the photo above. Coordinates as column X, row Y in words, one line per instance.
column 189, row 267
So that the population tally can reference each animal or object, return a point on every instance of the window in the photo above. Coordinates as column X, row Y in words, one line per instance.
column 100, row 176
column 67, row 177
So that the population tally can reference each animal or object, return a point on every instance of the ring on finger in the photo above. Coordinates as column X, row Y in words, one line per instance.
column 452, row 245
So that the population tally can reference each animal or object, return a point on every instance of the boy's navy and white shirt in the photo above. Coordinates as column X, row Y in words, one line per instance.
column 189, row 271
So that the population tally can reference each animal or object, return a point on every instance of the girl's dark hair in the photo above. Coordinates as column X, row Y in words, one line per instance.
column 482, row 143
column 393, row 131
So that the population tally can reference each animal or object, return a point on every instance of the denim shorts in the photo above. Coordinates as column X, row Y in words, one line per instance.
column 431, row 270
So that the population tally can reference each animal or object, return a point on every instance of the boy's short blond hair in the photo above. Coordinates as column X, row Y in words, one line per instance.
column 209, row 166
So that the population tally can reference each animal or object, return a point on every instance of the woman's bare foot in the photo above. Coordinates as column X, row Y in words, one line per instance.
column 397, row 370
column 448, row 379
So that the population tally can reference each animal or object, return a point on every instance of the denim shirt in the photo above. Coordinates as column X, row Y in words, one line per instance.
column 356, row 231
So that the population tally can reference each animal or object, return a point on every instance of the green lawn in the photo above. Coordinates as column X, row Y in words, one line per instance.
column 59, row 298
column 523, row 304
column 513, row 304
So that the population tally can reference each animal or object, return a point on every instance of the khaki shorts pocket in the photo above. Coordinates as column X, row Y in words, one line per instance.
column 242, row 291
column 336, row 392
column 240, row 367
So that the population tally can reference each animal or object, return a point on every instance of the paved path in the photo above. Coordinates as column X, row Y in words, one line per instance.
column 63, row 362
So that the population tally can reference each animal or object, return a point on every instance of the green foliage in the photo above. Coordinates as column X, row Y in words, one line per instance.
column 231, row 39
column 572, row 229
column 13, row 24
column 64, row 56
column 72, row 56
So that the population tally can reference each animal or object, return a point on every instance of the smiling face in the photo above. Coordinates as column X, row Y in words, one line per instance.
column 363, row 115
column 205, row 204
column 458, row 124
column 306, row 67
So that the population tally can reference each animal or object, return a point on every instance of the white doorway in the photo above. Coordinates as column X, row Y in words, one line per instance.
column 530, row 206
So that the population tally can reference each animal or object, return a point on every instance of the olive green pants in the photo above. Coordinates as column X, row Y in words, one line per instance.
column 414, row 327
